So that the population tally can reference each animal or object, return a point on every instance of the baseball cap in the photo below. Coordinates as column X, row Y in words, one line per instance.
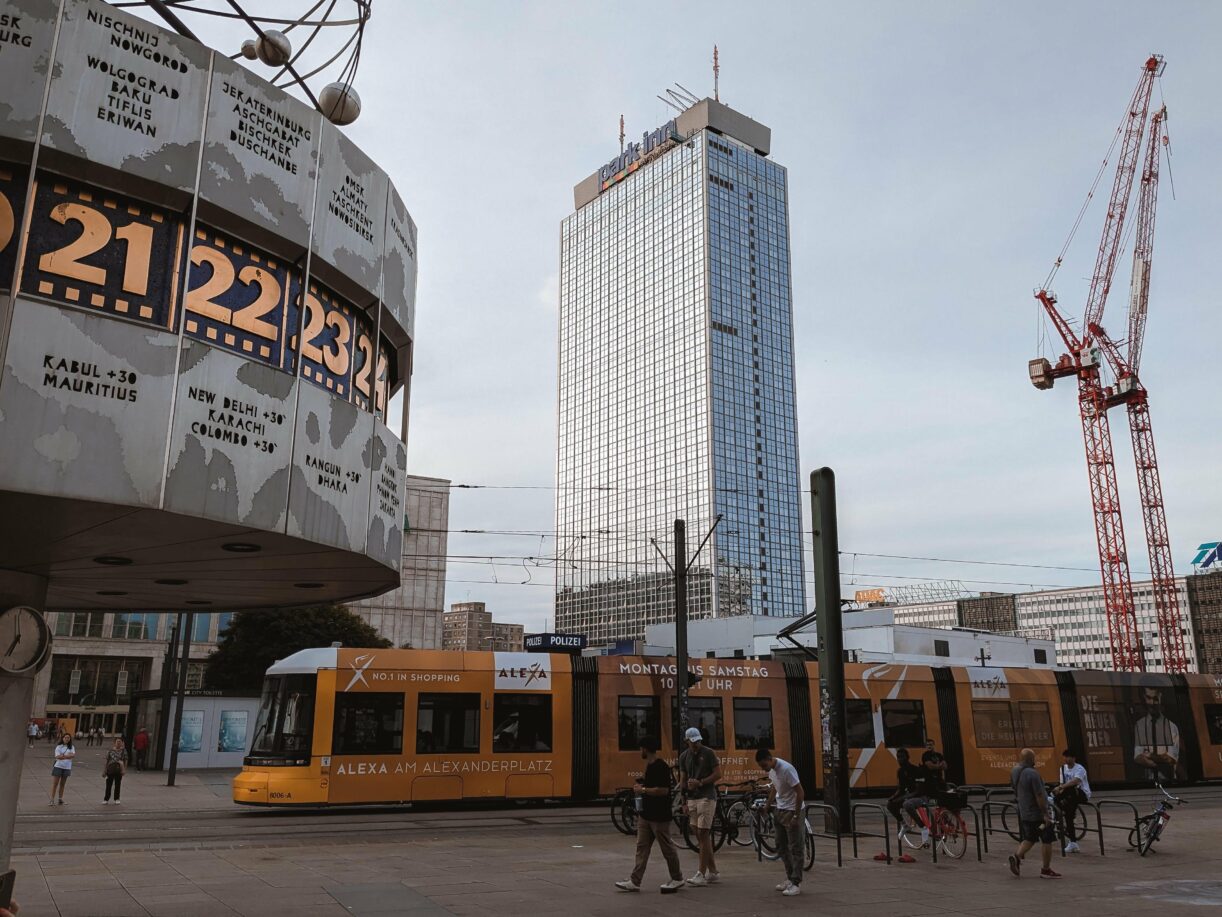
column 693, row 734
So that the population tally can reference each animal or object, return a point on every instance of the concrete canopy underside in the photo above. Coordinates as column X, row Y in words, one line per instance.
column 60, row 538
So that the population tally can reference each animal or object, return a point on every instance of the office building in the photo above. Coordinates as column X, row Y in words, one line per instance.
column 1074, row 616
column 411, row 616
column 676, row 388
column 469, row 626
column 1205, row 603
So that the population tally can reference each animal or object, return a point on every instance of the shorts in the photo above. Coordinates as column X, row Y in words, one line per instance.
column 1031, row 832
column 701, row 812
column 64, row 772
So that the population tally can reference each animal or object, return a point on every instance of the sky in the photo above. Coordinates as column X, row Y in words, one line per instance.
column 937, row 156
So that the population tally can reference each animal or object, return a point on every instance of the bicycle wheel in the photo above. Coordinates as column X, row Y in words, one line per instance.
column 717, row 833
column 763, row 835
column 810, row 852
column 738, row 824
column 952, row 834
column 1141, row 837
column 910, row 837
column 623, row 812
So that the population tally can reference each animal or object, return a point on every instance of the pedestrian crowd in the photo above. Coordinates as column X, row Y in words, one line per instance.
column 918, row 788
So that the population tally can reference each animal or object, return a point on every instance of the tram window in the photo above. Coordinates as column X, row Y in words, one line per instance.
column 369, row 723
column 638, row 717
column 705, row 714
column 522, row 722
column 1213, row 720
column 285, row 723
column 859, row 723
column 903, row 723
column 994, row 724
column 1036, row 724
column 447, row 723
column 753, row 722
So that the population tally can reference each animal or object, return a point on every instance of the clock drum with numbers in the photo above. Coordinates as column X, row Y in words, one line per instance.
column 207, row 298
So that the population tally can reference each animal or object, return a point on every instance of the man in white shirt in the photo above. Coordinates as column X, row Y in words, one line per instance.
column 1156, row 740
column 1072, row 790
column 787, row 795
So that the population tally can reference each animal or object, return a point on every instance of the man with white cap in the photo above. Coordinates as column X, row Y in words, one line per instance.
column 699, row 771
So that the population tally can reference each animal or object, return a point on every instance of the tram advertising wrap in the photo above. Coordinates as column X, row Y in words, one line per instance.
column 347, row 726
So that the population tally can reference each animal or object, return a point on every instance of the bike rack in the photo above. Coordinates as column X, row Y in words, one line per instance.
column 968, row 807
column 829, row 813
column 886, row 834
column 1119, row 803
column 987, row 811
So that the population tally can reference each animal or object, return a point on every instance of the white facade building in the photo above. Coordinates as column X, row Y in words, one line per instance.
column 1074, row 617
column 869, row 636
column 1079, row 622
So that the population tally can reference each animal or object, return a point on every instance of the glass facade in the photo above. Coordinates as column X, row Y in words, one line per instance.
column 676, row 393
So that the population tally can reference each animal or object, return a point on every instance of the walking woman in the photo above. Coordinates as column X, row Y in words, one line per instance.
column 116, row 767
column 64, row 753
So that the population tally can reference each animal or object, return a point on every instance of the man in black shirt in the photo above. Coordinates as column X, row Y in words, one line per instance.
column 653, row 791
column 933, row 759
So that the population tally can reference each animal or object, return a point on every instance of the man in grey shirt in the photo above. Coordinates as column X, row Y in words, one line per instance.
column 1035, row 821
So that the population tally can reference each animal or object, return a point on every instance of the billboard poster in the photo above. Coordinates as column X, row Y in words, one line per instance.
column 232, row 735
column 191, row 735
column 1131, row 727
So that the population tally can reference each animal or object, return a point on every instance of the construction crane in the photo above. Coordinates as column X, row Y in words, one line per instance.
column 1130, row 392
column 1082, row 361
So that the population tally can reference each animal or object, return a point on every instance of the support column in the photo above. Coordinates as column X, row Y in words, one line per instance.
column 16, row 697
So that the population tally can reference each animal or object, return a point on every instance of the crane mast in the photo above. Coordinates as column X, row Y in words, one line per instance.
column 1133, row 394
column 1083, row 362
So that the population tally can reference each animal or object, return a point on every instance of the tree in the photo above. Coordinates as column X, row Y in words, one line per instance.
column 256, row 639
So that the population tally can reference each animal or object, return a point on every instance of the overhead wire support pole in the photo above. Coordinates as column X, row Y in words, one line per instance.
column 681, row 567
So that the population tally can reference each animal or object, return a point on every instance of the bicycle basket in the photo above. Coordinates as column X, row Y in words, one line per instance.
column 953, row 801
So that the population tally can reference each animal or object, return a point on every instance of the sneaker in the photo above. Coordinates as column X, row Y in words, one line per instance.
column 60, row 800
column 792, row 890
column 713, row 877
column 51, row 803
column 1015, row 865
column 116, row 802
column 105, row 802
column 698, row 879
column 1072, row 847
column 672, row 886
column 627, row 885
column 781, row 886
column 1049, row 874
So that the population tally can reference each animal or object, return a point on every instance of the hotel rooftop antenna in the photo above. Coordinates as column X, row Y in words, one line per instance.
column 716, row 76
column 621, row 135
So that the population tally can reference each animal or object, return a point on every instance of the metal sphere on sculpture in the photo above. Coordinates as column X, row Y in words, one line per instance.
column 274, row 48
column 339, row 103
column 248, row 49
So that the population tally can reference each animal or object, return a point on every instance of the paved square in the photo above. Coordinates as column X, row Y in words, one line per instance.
column 186, row 851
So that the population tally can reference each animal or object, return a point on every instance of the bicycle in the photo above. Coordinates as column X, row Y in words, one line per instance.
column 1073, row 832
column 763, row 833
column 945, row 825
column 1150, row 827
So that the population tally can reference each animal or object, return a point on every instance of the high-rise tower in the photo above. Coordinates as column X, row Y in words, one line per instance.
column 676, row 393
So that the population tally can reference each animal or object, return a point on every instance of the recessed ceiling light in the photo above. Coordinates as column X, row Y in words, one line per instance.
column 241, row 547
column 111, row 592
column 309, row 585
column 170, row 582
column 198, row 602
column 109, row 560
